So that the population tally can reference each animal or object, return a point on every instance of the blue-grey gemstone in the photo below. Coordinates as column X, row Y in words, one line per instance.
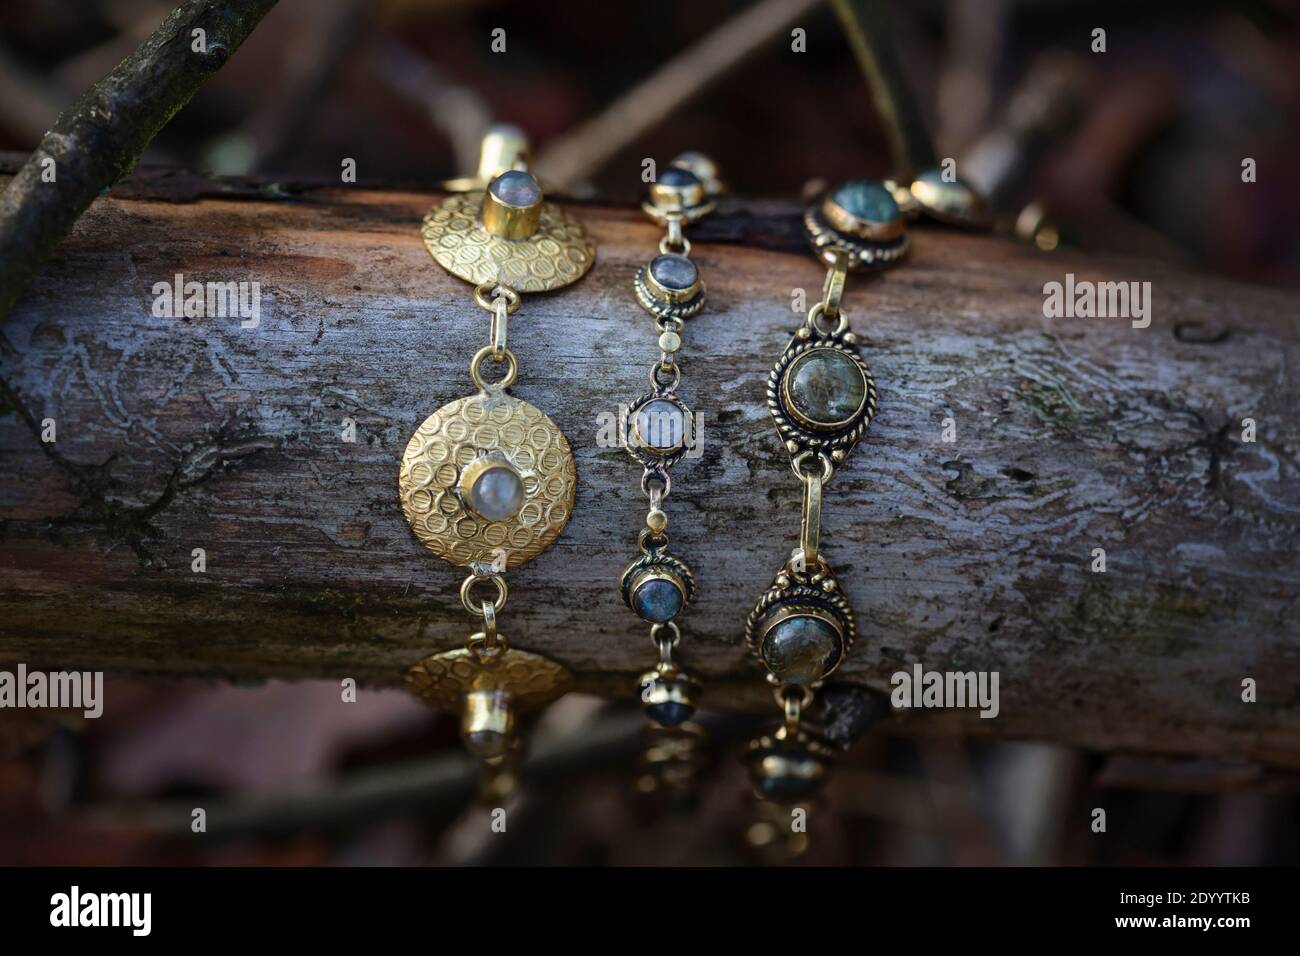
column 660, row 424
column 498, row 493
column 826, row 386
column 674, row 272
column 801, row 649
column 787, row 788
column 669, row 713
column 678, row 177
column 488, row 743
column 516, row 188
column 947, row 197
column 657, row 600
column 866, row 199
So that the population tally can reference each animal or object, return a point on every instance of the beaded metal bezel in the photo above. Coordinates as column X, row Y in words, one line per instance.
column 842, row 438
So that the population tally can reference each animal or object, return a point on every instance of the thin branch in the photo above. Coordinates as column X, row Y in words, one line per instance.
column 582, row 152
column 102, row 136
column 422, row 787
column 867, row 26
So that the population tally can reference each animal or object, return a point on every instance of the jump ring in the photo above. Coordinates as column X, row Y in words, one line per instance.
column 665, row 388
column 483, row 651
column 817, row 311
column 467, row 588
column 787, row 700
column 797, row 463
column 657, row 629
column 489, row 351
column 485, row 294
column 661, row 476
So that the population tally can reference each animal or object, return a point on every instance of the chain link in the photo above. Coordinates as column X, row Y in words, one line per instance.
column 675, row 240
column 467, row 589
column 833, row 286
column 486, row 294
column 499, row 327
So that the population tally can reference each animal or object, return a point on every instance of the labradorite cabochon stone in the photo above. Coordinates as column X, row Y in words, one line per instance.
column 783, row 785
column 516, row 188
column 934, row 178
column 670, row 713
column 497, row 494
column 660, row 424
column 678, row 177
column 826, row 386
column 657, row 600
column 866, row 199
column 674, row 272
column 801, row 649
column 487, row 743
column 952, row 198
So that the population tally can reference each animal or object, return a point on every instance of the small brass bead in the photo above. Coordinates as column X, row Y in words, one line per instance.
column 670, row 342
column 668, row 699
column 656, row 521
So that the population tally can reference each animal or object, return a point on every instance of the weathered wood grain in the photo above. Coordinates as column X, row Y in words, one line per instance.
column 1071, row 435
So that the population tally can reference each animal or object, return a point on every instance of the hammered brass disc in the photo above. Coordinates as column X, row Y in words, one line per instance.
column 454, row 436
column 443, row 679
column 559, row 252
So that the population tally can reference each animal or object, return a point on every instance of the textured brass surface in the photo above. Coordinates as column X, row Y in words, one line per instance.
column 558, row 253
column 442, row 680
column 452, row 438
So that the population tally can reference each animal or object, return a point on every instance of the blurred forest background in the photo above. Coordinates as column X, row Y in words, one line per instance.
column 1137, row 151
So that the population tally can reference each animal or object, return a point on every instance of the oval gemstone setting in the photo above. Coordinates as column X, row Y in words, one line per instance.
column 674, row 273
column 867, row 200
column 801, row 648
column 657, row 599
column 516, row 188
column 659, row 426
column 825, row 388
column 497, row 493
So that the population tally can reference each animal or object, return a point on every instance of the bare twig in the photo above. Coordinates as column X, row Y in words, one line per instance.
column 101, row 137
column 281, row 122
column 425, row 786
column 867, row 26
column 580, row 153
column 461, row 114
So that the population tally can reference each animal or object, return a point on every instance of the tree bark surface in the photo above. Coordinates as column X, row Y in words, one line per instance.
column 975, row 554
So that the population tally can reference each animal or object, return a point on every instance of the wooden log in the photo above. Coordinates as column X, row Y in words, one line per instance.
column 974, row 554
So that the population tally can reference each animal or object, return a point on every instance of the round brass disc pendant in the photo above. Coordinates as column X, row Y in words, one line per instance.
column 489, row 433
column 558, row 253
column 442, row 680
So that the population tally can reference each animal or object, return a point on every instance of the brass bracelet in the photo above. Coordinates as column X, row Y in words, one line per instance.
column 659, row 430
column 487, row 481
column 822, row 397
